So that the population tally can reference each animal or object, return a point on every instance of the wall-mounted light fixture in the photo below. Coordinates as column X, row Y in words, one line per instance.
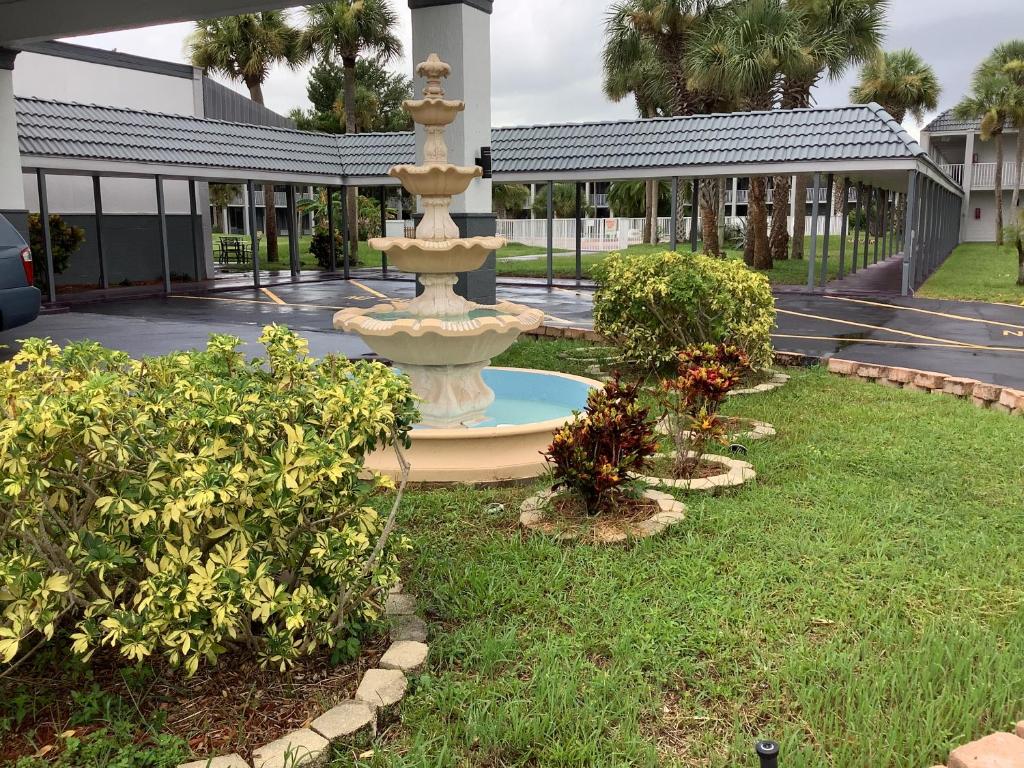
column 484, row 161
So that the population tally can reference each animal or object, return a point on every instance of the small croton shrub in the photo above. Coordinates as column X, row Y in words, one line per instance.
column 656, row 304
column 596, row 455
column 194, row 503
column 691, row 399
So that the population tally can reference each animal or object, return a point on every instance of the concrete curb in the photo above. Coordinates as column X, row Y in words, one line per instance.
column 736, row 473
column 379, row 694
column 670, row 512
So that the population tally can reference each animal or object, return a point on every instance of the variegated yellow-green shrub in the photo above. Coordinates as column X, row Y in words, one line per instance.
column 653, row 305
column 192, row 503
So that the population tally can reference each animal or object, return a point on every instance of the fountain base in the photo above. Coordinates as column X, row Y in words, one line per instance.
column 507, row 445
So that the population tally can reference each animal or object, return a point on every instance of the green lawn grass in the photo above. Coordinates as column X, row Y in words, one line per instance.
column 861, row 603
column 787, row 272
column 979, row 272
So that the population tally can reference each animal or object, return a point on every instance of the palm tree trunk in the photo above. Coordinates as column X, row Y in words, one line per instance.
column 778, row 240
column 800, row 220
column 269, row 198
column 709, row 216
column 748, row 239
column 757, row 218
column 352, row 193
column 1020, row 167
column 999, row 188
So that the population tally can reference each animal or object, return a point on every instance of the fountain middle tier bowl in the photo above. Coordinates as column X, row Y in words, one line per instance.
column 437, row 257
column 482, row 333
column 436, row 179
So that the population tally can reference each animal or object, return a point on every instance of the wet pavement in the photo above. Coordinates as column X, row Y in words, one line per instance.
column 972, row 339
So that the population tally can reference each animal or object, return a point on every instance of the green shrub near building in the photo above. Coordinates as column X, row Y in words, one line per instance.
column 653, row 305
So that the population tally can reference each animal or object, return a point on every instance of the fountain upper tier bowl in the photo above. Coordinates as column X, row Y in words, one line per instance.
column 437, row 257
column 436, row 179
column 433, row 111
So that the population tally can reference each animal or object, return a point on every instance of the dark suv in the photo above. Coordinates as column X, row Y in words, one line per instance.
column 19, row 298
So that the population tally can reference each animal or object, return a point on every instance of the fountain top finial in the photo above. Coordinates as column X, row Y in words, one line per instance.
column 434, row 70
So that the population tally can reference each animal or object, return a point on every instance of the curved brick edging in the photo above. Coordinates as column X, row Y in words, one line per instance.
column 376, row 699
column 736, row 473
column 982, row 394
column 670, row 512
column 999, row 750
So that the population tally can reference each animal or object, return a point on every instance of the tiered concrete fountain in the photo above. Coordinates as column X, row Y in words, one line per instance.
column 445, row 343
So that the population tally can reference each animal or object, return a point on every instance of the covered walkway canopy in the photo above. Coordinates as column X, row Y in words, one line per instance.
column 860, row 144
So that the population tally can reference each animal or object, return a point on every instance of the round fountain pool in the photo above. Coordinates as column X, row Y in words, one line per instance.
column 529, row 406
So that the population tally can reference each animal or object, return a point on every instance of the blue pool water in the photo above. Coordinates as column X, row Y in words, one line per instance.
column 526, row 397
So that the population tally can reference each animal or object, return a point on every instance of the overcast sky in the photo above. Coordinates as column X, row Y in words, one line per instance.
column 547, row 54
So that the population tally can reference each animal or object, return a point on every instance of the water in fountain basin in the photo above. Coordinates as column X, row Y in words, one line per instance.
column 530, row 397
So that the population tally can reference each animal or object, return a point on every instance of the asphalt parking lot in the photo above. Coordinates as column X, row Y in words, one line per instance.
column 972, row 339
column 156, row 326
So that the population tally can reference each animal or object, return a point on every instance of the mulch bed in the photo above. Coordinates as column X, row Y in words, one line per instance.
column 234, row 706
column 565, row 514
column 666, row 467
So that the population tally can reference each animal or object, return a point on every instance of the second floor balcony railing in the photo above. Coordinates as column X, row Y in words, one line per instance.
column 280, row 198
column 955, row 172
column 984, row 176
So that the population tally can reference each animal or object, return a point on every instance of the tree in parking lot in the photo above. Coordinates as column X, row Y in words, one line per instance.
column 65, row 239
column 243, row 48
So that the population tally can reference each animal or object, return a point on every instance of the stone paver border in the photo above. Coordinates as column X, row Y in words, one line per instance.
column 378, row 696
column 777, row 380
column 737, row 473
column 999, row 750
column 982, row 394
column 671, row 512
column 758, row 430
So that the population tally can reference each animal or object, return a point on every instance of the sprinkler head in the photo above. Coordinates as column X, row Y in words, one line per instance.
column 768, row 752
column 736, row 449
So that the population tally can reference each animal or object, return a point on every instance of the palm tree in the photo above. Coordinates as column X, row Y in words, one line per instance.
column 565, row 202
column 836, row 34
column 1008, row 58
column 660, row 31
column 345, row 30
column 741, row 54
column 993, row 99
column 509, row 199
column 244, row 48
column 901, row 81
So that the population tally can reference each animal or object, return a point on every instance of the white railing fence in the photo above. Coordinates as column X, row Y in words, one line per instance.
column 612, row 234
column 985, row 175
column 955, row 172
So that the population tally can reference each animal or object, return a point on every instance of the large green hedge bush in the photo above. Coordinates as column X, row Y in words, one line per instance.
column 192, row 503
column 653, row 305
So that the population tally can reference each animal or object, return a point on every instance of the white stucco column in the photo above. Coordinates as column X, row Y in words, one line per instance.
column 459, row 31
column 968, row 185
column 12, row 191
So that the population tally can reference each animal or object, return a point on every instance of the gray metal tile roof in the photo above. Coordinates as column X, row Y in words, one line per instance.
column 89, row 132
column 854, row 133
column 947, row 122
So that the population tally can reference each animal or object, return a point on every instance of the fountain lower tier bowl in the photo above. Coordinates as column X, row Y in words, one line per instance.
column 528, row 408
column 475, row 337
column 437, row 257
column 436, row 179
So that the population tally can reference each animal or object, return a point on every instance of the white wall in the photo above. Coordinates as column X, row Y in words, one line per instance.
column 984, row 230
column 59, row 79
column 11, row 198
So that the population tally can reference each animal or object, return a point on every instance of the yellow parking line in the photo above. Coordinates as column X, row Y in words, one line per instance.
column 257, row 301
column 928, row 312
column 273, row 296
column 369, row 290
column 954, row 342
